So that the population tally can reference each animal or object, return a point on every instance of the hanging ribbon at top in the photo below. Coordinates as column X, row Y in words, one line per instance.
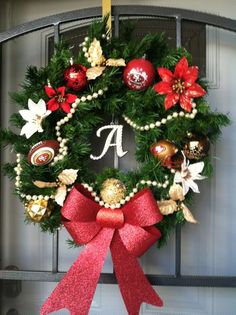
column 106, row 10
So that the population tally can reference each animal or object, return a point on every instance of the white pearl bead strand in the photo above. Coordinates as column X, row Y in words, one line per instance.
column 163, row 121
column 129, row 196
column 18, row 171
column 27, row 197
column 63, row 151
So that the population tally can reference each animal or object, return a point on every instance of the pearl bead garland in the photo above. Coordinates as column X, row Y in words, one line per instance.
column 163, row 121
column 18, row 170
column 63, row 151
column 128, row 197
column 37, row 197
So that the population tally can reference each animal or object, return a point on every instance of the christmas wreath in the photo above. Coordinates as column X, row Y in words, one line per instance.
column 110, row 83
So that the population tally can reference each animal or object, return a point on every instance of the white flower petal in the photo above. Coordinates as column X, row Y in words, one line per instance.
column 185, row 187
column 41, row 107
column 196, row 168
column 199, row 177
column 185, row 160
column 40, row 129
column 178, row 178
column 48, row 112
column 32, row 107
column 193, row 186
column 23, row 129
column 26, row 114
column 28, row 130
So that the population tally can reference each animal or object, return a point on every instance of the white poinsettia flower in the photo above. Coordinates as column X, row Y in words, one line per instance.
column 188, row 174
column 34, row 117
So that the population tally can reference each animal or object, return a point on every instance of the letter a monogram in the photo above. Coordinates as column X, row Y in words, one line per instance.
column 115, row 129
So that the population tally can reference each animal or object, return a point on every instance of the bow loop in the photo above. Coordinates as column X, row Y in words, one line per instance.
column 142, row 210
column 82, row 232
column 79, row 206
column 137, row 240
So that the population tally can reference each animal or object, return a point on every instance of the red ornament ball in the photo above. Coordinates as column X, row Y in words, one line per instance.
column 75, row 77
column 43, row 152
column 139, row 74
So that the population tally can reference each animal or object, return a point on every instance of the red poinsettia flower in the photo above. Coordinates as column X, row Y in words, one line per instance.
column 58, row 99
column 179, row 86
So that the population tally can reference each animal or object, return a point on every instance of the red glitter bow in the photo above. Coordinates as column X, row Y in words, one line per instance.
column 128, row 231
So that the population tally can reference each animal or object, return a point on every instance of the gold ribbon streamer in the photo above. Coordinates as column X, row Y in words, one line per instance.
column 106, row 9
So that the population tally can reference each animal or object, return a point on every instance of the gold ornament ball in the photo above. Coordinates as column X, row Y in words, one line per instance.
column 38, row 210
column 197, row 147
column 113, row 190
column 163, row 149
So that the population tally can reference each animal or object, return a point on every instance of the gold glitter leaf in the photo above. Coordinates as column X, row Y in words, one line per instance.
column 96, row 54
column 41, row 184
column 93, row 73
column 115, row 62
column 188, row 215
column 167, row 206
column 176, row 192
column 60, row 195
column 68, row 176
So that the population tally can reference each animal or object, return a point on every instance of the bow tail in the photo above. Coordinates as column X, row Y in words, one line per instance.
column 133, row 284
column 76, row 290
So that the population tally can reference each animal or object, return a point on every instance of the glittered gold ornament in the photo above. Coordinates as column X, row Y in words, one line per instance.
column 196, row 147
column 163, row 149
column 38, row 210
column 113, row 190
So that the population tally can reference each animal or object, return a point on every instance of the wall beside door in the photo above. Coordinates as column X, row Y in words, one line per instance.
column 207, row 248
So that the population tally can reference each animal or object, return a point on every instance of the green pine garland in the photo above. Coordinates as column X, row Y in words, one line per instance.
column 142, row 107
